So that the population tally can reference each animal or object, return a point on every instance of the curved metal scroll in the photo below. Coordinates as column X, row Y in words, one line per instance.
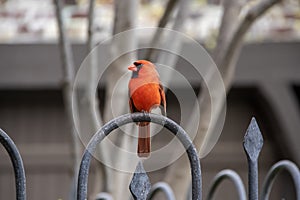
column 138, row 117
column 163, row 187
column 274, row 171
column 15, row 157
column 234, row 177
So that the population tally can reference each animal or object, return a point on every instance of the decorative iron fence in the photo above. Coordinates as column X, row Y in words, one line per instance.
column 140, row 185
column 15, row 157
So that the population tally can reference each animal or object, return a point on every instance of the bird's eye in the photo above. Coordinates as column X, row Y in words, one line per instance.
column 137, row 64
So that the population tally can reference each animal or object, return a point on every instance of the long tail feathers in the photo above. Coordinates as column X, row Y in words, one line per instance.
column 144, row 141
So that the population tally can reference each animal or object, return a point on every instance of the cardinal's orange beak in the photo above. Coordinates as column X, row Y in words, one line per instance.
column 132, row 68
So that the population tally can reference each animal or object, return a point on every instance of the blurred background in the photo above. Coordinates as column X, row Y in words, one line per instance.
column 266, row 84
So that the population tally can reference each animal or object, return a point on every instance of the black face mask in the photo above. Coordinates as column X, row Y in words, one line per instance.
column 136, row 73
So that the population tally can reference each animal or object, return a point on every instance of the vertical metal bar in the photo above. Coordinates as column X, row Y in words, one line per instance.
column 195, row 172
column 15, row 157
column 253, row 179
column 253, row 143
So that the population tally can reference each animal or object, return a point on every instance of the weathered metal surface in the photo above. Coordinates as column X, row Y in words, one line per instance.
column 253, row 142
column 137, row 117
column 140, row 185
column 231, row 175
column 17, row 162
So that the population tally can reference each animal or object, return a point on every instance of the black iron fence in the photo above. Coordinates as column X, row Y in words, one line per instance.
column 15, row 157
column 140, row 185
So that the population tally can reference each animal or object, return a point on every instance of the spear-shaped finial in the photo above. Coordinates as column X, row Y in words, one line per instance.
column 140, row 185
column 253, row 140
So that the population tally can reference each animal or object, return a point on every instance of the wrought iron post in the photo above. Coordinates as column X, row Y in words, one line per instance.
column 253, row 143
column 138, row 117
column 15, row 157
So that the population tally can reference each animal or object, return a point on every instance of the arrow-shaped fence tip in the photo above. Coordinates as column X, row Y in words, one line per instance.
column 253, row 140
column 140, row 185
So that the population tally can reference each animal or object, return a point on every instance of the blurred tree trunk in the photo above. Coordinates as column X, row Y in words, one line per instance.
column 152, row 53
column 116, row 182
column 230, row 41
column 125, row 19
column 102, row 172
column 68, row 80
column 166, row 58
column 108, row 180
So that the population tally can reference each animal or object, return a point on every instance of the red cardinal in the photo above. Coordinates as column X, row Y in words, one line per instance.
column 145, row 93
